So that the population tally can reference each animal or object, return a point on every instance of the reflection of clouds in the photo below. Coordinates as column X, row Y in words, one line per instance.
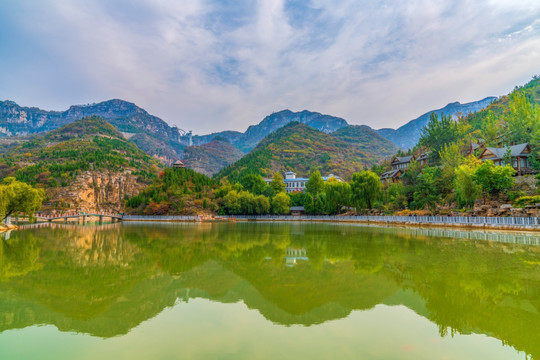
column 227, row 64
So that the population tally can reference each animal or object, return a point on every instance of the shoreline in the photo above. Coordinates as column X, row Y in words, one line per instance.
column 416, row 223
column 531, row 225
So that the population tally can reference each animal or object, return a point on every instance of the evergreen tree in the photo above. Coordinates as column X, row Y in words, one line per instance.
column 439, row 132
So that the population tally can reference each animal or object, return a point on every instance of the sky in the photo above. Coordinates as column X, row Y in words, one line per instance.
column 208, row 65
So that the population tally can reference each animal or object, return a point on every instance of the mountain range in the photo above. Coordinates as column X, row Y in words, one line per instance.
column 169, row 143
column 407, row 136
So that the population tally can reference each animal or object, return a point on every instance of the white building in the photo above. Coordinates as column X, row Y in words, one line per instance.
column 294, row 184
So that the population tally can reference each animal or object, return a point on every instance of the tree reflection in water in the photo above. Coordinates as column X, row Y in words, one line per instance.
column 106, row 280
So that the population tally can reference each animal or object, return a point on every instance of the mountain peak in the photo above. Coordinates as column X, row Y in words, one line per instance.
column 408, row 135
column 255, row 133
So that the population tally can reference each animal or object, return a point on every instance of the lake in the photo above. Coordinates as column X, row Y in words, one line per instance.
column 267, row 291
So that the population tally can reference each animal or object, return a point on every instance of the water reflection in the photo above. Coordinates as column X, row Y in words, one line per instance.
column 105, row 280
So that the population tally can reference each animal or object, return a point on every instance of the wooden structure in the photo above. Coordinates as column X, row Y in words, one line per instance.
column 401, row 162
column 519, row 157
column 178, row 164
column 391, row 176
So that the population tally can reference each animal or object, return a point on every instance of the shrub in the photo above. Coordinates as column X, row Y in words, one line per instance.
column 527, row 200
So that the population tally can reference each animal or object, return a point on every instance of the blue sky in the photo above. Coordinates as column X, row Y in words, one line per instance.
column 208, row 65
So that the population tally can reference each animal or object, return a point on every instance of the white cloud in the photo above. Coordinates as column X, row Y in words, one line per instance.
column 196, row 65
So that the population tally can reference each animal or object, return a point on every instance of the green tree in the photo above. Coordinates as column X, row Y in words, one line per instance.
column 427, row 193
column 522, row 120
column 451, row 158
column 489, row 131
column 262, row 205
column 16, row 196
column 231, row 203
column 281, row 203
column 338, row 194
column 494, row 179
column 466, row 190
column 314, row 205
column 277, row 183
column 255, row 184
column 315, row 184
column 366, row 189
column 297, row 198
column 439, row 132
column 396, row 198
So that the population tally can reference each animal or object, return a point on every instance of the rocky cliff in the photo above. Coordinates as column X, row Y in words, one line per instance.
column 94, row 191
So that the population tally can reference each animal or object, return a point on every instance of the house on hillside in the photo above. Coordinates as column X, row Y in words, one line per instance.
column 475, row 146
column 520, row 157
column 294, row 184
column 391, row 176
column 178, row 164
column 401, row 163
column 423, row 159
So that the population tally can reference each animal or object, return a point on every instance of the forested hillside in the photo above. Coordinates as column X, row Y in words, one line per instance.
column 88, row 161
column 211, row 157
column 302, row 149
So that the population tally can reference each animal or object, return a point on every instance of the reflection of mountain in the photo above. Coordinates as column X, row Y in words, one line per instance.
column 105, row 282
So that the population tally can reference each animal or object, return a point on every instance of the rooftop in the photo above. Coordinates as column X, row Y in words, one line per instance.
column 516, row 150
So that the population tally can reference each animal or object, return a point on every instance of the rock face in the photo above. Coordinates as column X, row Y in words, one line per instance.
column 407, row 136
column 95, row 191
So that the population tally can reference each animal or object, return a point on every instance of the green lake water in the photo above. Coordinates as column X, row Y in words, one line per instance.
column 267, row 291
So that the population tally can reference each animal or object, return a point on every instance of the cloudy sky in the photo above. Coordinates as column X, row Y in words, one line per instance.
column 210, row 65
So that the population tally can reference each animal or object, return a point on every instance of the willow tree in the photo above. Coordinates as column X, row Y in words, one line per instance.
column 338, row 195
column 366, row 189
column 16, row 196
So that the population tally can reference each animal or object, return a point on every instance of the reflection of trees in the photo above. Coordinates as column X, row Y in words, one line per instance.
column 84, row 270
column 18, row 257
column 113, row 278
